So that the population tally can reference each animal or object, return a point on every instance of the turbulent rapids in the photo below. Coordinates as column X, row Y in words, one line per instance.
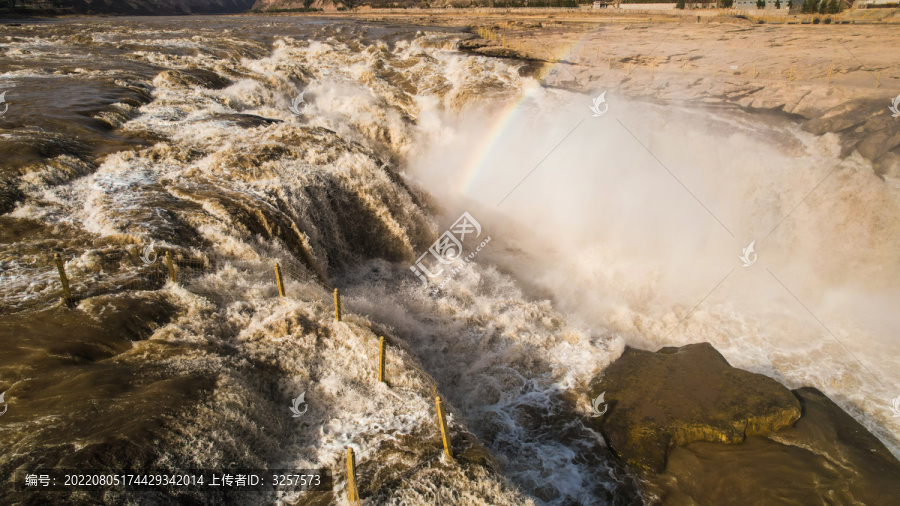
column 188, row 135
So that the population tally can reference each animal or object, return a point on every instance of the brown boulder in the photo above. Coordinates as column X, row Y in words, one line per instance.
column 661, row 400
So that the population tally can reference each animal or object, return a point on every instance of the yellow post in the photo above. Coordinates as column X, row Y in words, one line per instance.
column 337, row 305
column 381, row 360
column 171, row 267
column 878, row 79
column 278, row 280
column 445, row 433
column 791, row 78
column 829, row 74
column 352, row 492
column 67, row 295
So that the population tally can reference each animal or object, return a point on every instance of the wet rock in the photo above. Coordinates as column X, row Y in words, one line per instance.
column 661, row 400
column 818, row 100
column 9, row 196
column 888, row 166
column 826, row 458
column 864, row 125
column 246, row 120
column 829, row 431
column 883, row 136
column 472, row 44
column 844, row 116
column 191, row 78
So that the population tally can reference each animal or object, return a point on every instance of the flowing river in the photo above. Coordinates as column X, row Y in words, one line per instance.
column 342, row 151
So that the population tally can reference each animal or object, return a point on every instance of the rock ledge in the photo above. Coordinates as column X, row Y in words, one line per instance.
column 661, row 400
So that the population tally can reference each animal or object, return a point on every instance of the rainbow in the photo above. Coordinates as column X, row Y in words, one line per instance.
column 477, row 163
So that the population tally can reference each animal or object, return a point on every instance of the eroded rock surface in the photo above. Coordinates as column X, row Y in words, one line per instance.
column 826, row 458
column 661, row 400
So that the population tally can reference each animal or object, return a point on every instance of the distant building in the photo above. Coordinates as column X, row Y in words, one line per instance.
column 751, row 4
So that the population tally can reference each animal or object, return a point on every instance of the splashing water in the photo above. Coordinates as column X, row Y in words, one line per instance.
column 636, row 222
